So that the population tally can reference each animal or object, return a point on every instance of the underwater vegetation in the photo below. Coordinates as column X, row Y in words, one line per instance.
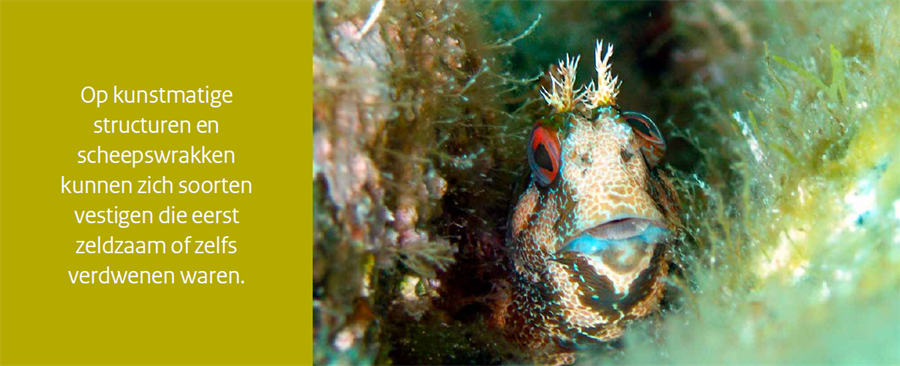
column 411, row 140
column 796, row 219
column 781, row 120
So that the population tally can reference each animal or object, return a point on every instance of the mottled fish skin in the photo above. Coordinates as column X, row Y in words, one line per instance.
column 566, row 297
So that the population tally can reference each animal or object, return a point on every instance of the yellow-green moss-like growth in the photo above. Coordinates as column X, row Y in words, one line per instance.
column 796, row 226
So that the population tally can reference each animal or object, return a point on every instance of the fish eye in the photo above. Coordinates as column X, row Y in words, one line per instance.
column 543, row 155
column 653, row 146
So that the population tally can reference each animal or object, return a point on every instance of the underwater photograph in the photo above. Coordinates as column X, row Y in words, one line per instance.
column 606, row 182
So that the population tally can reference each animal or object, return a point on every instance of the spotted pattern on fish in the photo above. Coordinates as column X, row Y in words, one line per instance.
column 564, row 299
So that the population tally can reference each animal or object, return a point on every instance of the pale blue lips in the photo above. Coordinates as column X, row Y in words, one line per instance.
column 594, row 241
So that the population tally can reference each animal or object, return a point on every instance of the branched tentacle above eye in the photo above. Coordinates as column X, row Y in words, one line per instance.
column 605, row 91
column 562, row 91
column 563, row 96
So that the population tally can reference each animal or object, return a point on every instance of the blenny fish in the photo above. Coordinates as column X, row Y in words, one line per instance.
column 590, row 238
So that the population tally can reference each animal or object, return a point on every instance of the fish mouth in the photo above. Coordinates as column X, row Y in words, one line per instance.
column 616, row 233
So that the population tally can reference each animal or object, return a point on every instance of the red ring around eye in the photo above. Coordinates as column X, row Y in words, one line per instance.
column 645, row 128
column 653, row 145
column 543, row 155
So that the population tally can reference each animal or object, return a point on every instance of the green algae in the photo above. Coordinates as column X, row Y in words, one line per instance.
column 801, row 264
